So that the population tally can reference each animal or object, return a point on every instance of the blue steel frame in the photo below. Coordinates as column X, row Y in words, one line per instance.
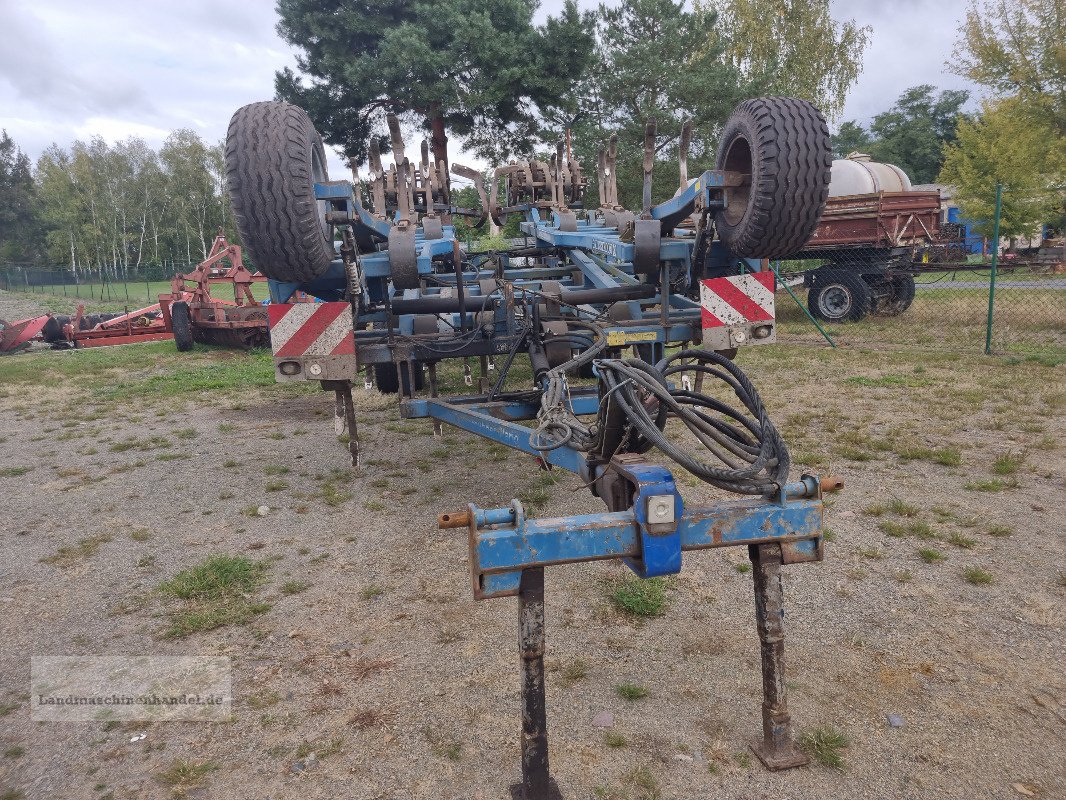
column 508, row 551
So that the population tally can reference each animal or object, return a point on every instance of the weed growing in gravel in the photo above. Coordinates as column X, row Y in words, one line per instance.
column 1007, row 463
column 216, row 594
column 183, row 775
column 140, row 535
column 185, row 433
column 977, row 576
column 275, row 469
column 229, row 463
column 930, row 556
column 332, row 496
column 904, row 576
column 573, row 672
column 15, row 751
column 743, row 567
column 631, row 691
column 614, row 739
column 372, row 591
column 14, row 472
column 640, row 598
column 646, row 784
column 295, row 587
column 67, row 555
column 871, row 553
column 901, row 508
column 961, row 540
column 443, row 746
column 374, row 505
column 1000, row 530
column 825, row 745
column 276, row 485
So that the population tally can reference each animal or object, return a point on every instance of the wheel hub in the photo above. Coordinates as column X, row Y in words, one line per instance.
column 835, row 301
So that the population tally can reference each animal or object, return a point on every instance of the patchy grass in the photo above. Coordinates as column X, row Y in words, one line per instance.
column 372, row 591
column 977, row 576
column 68, row 555
column 930, row 556
column 1000, row 530
column 183, row 775
column 962, row 541
column 572, row 672
column 216, row 593
column 1007, row 463
column 14, row 472
column 614, row 739
column 631, row 691
column 825, row 745
column 637, row 597
column 294, row 587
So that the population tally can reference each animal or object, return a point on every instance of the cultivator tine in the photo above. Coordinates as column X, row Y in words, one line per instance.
column 377, row 177
column 682, row 152
column 612, row 179
column 601, row 176
column 560, row 180
column 404, row 198
column 344, row 421
column 479, row 184
column 649, row 164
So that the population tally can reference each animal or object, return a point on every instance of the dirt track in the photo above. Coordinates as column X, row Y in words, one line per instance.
column 406, row 688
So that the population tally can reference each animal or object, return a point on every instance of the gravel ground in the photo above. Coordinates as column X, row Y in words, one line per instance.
column 404, row 687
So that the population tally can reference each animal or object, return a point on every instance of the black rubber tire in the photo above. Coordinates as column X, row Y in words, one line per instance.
column 839, row 296
column 52, row 332
column 273, row 158
column 783, row 143
column 903, row 290
column 181, row 325
column 385, row 378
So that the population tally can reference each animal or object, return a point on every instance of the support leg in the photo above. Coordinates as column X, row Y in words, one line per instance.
column 536, row 782
column 776, row 749
column 344, row 420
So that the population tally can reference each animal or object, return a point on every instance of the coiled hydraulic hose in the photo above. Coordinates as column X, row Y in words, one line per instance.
column 752, row 457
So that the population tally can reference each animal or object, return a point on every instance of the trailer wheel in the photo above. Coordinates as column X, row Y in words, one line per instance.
column 181, row 324
column 903, row 290
column 385, row 378
column 839, row 296
column 783, row 145
column 274, row 157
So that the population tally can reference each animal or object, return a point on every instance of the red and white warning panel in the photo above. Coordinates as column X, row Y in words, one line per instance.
column 312, row 341
column 738, row 310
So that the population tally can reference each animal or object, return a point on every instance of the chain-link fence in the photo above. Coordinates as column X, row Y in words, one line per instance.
column 113, row 288
column 958, row 294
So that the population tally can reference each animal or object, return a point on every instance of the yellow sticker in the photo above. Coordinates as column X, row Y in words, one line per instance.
column 697, row 185
column 621, row 338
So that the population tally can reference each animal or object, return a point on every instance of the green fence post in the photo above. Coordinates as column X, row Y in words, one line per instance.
column 802, row 307
column 995, row 263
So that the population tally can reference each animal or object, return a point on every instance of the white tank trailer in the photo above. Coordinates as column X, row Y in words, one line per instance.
column 873, row 231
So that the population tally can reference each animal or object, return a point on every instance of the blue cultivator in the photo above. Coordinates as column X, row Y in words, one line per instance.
column 653, row 305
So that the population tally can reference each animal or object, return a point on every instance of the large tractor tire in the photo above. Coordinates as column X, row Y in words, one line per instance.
column 903, row 290
column 783, row 145
column 181, row 324
column 839, row 296
column 274, row 157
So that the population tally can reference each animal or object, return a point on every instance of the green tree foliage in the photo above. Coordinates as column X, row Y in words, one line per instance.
column 793, row 47
column 18, row 219
column 1003, row 146
column 911, row 135
column 654, row 59
column 851, row 138
column 1017, row 49
column 480, row 70
column 115, row 208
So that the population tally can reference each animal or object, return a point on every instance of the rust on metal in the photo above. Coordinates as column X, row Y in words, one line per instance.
column 457, row 519
column 831, row 483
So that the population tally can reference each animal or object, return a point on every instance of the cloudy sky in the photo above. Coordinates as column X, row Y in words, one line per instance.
column 73, row 69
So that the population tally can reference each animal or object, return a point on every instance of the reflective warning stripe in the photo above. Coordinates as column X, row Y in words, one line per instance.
column 737, row 299
column 314, row 329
